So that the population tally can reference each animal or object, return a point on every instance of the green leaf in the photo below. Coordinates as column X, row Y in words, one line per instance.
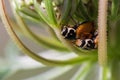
column 105, row 73
column 48, row 75
column 74, row 6
column 93, row 9
column 26, row 12
column 45, row 41
column 41, row 14
column 83, row 71
column 50, row 12
column 115, row 69
column 30, row 13
column 4, row 70
column 83, row 11
column 66, row 11
column 115, row 8
column 27, row 17
column 95, row 3
column 9, row 25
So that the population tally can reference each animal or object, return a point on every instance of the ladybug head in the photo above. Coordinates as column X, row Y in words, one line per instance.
column 68, row 32
column 85, row 44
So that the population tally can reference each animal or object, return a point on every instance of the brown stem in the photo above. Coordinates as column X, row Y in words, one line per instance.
column 102, row 29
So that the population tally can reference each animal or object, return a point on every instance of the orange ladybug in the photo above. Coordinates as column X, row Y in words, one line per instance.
column 84, row 35
column 85, row 30
column 80, row 31
column 88, row 43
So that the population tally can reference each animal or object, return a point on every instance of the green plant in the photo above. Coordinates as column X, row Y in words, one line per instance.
column 54, row 14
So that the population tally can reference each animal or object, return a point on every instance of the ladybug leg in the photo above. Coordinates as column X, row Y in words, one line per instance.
column 78, row 42
column 96, row 42
column 86, row 44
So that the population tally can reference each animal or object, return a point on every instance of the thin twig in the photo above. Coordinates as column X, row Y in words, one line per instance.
column 102, row 29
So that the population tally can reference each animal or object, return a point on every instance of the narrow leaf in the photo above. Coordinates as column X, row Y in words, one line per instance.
column 115, row 8
column 50, row 12
column 66, row 12
column 41, row 14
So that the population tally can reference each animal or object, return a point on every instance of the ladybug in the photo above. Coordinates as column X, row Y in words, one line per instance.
column 88, row 43
column 84, row 35
column 82, row 31
column 85, row 30
column 69, row 32
column 85, row 44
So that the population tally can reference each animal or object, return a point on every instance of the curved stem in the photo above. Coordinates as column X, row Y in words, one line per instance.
column 102, row 30
column 9, row 27
column 39, row 39
column 53, row 34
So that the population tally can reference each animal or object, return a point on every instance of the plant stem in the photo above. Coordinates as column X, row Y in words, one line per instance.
column 9, row 26
column 39, row 39
column 102, row 30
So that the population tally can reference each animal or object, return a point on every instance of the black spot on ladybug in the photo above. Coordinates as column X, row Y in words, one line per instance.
column 64, row 31
column 82, row 43
column 68, row 33
column 71, row 34
column 90, row 44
